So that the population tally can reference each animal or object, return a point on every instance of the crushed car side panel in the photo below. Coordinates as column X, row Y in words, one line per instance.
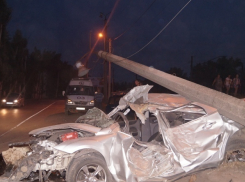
column 198, row 143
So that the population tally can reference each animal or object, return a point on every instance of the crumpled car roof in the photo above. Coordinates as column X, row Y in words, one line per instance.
column 139, row 100
column 139, row 95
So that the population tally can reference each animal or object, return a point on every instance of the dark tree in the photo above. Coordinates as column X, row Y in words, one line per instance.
column 177, row 72
column 205, row 73
column 48, row 75
column 39, row 74
column 5, row 14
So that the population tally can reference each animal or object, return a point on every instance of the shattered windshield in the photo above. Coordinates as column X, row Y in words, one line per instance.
column 95, row 117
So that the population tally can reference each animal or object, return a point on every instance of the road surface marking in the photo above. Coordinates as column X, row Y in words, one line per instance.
column 26, row 120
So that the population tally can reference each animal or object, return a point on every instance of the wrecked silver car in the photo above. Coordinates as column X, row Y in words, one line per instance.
column 169, row 138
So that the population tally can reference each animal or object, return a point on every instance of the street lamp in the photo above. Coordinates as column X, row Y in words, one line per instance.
column 100, row 35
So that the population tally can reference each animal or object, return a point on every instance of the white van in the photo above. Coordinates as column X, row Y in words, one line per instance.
column 80, row 95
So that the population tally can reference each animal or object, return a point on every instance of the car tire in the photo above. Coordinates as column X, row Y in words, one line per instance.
column 84, row 168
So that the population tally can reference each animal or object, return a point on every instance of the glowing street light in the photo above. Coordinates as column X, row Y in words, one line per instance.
column 100, row 35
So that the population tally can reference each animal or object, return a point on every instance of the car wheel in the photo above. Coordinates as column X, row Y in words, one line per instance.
column 88, row 167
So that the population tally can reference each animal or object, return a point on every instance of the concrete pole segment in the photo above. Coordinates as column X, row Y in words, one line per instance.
column 228, row 106
column 109, row 74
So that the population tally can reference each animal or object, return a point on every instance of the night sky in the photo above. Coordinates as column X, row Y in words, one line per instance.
column 204, row 29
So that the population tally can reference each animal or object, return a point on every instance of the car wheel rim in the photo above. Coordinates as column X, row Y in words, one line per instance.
column 91, row 173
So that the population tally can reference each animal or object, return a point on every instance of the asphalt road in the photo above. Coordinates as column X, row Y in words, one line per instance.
column 16, row 123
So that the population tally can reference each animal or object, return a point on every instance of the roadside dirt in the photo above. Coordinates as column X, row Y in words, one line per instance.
column 227, row 172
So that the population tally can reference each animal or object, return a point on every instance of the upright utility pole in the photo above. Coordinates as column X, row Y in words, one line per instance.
column 105, row 69
column 109, row 79
column 105, row 62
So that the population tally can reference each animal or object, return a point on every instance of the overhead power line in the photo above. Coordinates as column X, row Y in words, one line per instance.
column 135, row 21
column 161, row 30
column 153, row 18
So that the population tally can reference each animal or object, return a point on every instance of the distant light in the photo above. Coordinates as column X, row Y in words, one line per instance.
column 79, row 64
column 100, row 35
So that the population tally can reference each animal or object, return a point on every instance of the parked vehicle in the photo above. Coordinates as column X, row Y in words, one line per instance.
column 171, row 137
column 80, row 95
column 13, row 100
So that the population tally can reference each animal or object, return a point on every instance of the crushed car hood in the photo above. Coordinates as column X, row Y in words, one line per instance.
column 76, row 126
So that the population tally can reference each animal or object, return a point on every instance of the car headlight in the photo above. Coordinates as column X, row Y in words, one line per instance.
column 15, row 101
column 70, row 102
column 91, row 103
column 4, row 100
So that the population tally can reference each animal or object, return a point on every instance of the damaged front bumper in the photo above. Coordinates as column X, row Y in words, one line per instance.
column 42, row 157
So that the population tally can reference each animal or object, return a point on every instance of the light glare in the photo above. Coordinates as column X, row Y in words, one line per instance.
column 100, row 35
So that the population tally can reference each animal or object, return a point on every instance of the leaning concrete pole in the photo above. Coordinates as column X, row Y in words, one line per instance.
column 228, row 106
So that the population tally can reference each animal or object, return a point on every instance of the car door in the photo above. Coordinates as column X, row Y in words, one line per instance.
column 198, row 139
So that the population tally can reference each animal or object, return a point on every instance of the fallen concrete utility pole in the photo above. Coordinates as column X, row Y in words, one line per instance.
column 228, row 106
